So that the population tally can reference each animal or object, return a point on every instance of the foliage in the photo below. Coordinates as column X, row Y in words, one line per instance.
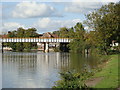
column 20, row 32
column 77, row 34
column 56, row 49
column 64, row 32
column 77, row 46
column 57, row 33
column 106, row 25
column 109, row 72
column 73, row 80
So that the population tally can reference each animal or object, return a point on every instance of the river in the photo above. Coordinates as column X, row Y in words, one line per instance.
column 38, row 69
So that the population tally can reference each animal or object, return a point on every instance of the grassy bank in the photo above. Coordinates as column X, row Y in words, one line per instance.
column 108, row 76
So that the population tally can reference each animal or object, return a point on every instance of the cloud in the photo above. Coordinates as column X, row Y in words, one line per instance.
column 94, row 0
column 10, row 26
column 0, row 17
column 42, row 25
column 85, row 6
column 33, row 9
column 60, row 0
column 48, row 25
column 82, row 7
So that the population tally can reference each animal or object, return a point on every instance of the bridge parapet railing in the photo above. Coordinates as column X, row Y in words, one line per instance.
column 35, row 39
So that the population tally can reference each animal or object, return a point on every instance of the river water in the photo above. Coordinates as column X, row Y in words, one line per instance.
column 38, row 69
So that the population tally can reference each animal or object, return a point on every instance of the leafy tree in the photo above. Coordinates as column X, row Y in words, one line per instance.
column 71, row 33
column 19, row 46
column 77, row 46
column 11, row 35
column 106, row 23
column 78, row 43
column 57, row 33
column 79, row 31
column 64, row 32
column 21, row 33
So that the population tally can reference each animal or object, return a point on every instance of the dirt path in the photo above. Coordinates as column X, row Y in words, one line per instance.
column 93, row 81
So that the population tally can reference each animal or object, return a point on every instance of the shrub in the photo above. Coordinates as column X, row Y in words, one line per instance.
column 73, row 80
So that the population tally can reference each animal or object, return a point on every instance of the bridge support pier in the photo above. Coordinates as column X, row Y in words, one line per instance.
column 64, row 47
column 46, row 47
column 1, row 47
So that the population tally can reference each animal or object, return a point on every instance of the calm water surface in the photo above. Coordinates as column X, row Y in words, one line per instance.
column 38, row 69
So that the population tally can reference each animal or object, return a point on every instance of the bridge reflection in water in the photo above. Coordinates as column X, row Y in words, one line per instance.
column 32, row 70
column 38, row 69
column 52, row 59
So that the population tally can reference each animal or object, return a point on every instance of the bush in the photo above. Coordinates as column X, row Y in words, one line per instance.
column 56, row 49
column 73, row 80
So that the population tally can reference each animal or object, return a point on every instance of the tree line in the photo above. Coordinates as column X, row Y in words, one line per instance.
column 105, row 27
column 104, row 24
column 21, row 32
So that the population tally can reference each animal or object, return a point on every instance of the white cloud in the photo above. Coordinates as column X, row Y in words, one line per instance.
column 95, row 0
column 85, row 6
column 48, row 25
column 82, row 7
column 59, row 0
column 9, row 26
column 42, row 25
column 33, row 9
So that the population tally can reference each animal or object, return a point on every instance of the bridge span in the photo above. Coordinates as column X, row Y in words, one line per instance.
column 64, row 40
column 46, row 41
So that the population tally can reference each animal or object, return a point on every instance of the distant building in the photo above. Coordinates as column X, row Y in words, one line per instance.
column 7, row 48
column 114, row 45
column 3, row 36
column 47, row 35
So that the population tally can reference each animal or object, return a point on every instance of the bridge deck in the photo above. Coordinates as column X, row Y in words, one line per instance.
column 65, row 40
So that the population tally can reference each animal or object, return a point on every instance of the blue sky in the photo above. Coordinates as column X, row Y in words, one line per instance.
column 46, row 16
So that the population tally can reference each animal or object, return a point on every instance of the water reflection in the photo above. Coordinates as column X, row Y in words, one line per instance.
column 32, row 69
column 78, row 62
column 39, row 70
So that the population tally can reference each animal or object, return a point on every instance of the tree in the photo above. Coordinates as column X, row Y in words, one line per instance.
column 64, row 32
column 11, row 34
column 78, row 43
column 57, row 33
column 106, row 23
column 22, row 33
column 77, row 33
column 71, row 33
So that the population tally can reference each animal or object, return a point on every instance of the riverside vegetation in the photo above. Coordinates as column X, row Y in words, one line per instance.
column 104, row 26
column 87, row 80
column 22, row 33
column 105, row 23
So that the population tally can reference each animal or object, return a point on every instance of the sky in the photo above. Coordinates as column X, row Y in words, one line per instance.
column 45, row 15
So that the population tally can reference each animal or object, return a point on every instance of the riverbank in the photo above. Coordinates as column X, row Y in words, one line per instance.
column 108, row 76
column 104, row 76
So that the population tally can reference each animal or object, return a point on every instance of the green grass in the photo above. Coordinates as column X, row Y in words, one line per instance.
column 109, row 73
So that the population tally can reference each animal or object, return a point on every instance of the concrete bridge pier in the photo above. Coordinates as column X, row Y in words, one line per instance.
column 1, row 47
column 64, row 47
column 1, row 57
column 46, row 47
